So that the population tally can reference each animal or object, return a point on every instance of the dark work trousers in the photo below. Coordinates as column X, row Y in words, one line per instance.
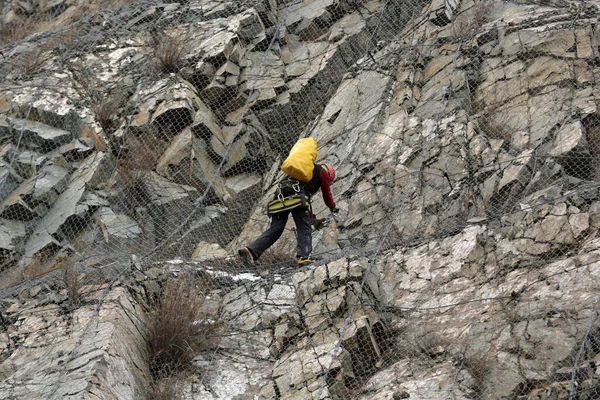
column 278, row 221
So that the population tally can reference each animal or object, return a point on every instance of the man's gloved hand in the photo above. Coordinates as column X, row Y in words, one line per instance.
column 334, row 210
column 318, row 223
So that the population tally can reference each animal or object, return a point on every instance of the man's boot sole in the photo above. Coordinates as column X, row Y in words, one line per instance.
column 246, row 258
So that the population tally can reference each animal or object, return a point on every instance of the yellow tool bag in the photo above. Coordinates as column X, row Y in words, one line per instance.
column 301, row 160
column 286, row 203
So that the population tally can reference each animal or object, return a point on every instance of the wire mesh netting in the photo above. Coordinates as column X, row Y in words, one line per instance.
column 141, row 141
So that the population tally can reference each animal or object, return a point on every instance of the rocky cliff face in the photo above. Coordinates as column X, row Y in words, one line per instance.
column 464, row 261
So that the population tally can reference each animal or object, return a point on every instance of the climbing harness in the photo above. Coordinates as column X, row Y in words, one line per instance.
column 285, row 203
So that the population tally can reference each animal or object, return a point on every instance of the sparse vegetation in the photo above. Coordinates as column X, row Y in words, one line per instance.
column 37, row 22
column 177, row 330
column 496, row 125
column 8, row 259
column 33, row 62
column 73, row 283
column 169, row 53
column 432, row 344
column 135, row 164
column 479, row 368
column 36, row 59
column 18, row 30
column 107, row 111
column 165, row 389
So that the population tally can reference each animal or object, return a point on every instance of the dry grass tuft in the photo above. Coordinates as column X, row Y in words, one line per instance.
column 15, row 31
column 73, row 283
column 108, row 111
column 177, row 331
column 165, row 389
column 136, row 164
column 169, row 53
column 143, row 152
column 35, row 60
column 8, row 259
column 479, row 368
column 20, row 29
column 496, row 125
column 432, row 344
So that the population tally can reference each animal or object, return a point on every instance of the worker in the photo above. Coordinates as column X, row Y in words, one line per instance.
column 293, row 197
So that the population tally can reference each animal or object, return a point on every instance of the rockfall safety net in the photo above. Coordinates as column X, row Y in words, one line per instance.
column 140, row 142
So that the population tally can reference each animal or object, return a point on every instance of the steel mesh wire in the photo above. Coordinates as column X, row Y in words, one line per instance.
column 140, row 142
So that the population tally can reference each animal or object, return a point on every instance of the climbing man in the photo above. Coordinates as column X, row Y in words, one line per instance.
column 293, row 196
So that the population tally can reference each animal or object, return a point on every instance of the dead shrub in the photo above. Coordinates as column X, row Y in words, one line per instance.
column 73, row 283
column 35, row 60
column 165, row 389
column 479, row 368
column 432, row 344
column 169, row 53
column 107, row 112
column 14, row 31
column 8, row 259
column 136, row 164
column 143, row 152
column 177, row 331
column 31, row 63
column 496, row 125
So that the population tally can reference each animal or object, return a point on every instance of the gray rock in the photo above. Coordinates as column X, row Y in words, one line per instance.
column 442, row 11
column 307, row 9
column 117, row 225
column 250, row 25
column 11, row 233
column 31, row 158
column 242, row 182
column 206, row 124
column 108, row 355
column 552, row 42
column 169, row 104
column 77, row 149
column 65, row 206
column 265, row 80
column 519, row 171
column 39, row 136
column 183, row 148
column 15, row 205
column 568, row 137
column 50, row 182
column 177, row 109
column 162, row 191
column 594, row 212
column 209, row 251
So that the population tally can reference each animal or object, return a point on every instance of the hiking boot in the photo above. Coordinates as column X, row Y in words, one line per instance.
column 246, row 256
column 303, row 261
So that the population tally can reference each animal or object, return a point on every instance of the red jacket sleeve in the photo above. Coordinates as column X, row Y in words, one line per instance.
column 326, row 189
